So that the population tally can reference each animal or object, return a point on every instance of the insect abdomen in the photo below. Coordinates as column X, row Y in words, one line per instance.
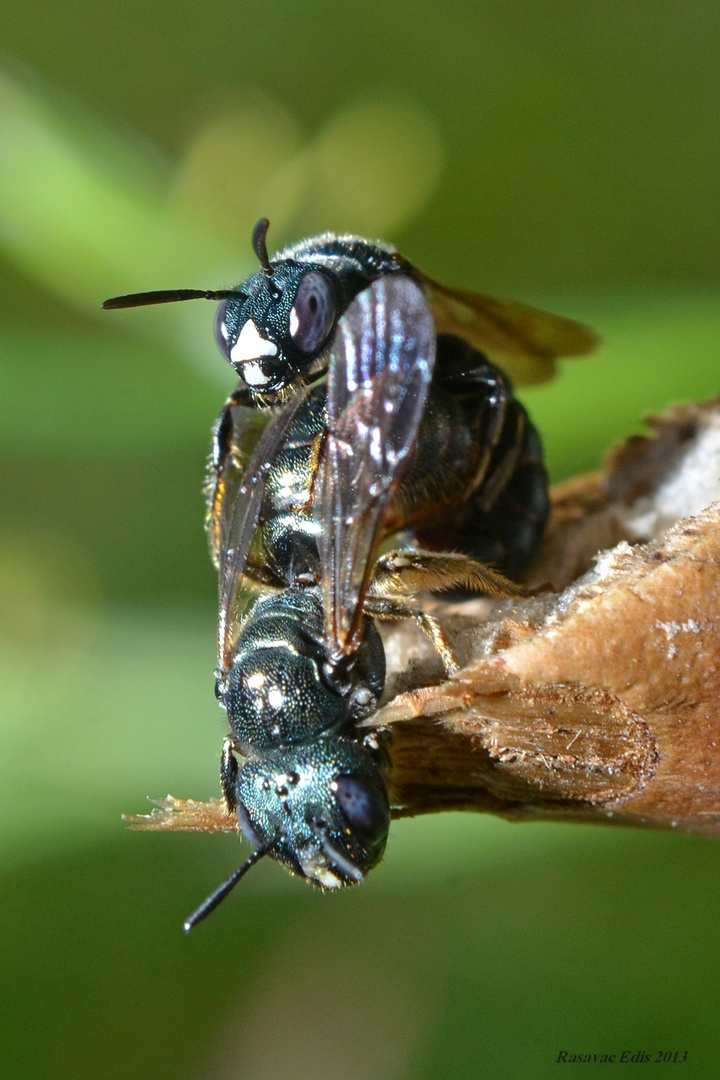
column 504, row 522
column 499, row 503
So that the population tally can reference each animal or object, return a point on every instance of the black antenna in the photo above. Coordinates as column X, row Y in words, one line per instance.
column 222, row 891
column 166, row 296
column 170, row 296
column 259, row 245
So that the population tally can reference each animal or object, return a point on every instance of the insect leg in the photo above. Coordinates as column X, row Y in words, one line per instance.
column 386, row 607
column 407, row 571
column 221, row 463
column 228, row 773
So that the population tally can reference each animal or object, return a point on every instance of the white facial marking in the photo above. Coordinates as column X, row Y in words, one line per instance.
column 254, row 375
column 316, row 868
column 251, row 345
column 327, row 878
column 293, row 323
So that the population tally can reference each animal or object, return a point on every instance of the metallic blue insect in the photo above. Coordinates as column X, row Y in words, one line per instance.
column 372, row 402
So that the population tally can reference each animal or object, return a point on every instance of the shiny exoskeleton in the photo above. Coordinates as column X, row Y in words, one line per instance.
column 372, row 401
column 476, row 474
column 308, row 788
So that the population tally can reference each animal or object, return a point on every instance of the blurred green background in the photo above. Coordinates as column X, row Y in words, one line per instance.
column 563, row 154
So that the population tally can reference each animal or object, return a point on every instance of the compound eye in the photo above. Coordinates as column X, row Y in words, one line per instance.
column 365, row 807
column 221, row 329
column 313, row 313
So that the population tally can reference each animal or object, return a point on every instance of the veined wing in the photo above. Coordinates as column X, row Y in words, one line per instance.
column 522, row 340
column 381, row 364
column 240, row 505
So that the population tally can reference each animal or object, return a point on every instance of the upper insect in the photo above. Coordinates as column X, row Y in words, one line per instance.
column 277, row 328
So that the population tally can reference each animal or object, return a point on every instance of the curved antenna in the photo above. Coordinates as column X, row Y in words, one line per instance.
column 222, row 891
column 170, row 296
column 259, row 246
column 166, row 296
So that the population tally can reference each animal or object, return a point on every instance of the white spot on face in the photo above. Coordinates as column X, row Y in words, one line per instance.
column 315, row 868
column 254, row 375
column 327, row 878
column 256, row 681
column 251, row 345
column 294, row 322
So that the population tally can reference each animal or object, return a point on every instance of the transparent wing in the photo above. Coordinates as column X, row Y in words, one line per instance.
column 524, row 341
column 380, row 369
column 240, row 490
